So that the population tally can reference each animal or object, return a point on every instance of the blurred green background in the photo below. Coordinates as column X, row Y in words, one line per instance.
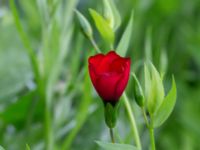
column 62, row 87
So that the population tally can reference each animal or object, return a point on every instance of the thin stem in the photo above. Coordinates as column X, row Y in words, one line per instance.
column 151, row 133
column 133, row 123
column 95, row 45
column 48, row 128
column 145, row 117
column 112, row 135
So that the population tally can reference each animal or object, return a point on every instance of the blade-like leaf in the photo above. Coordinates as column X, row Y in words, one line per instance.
column 103, row 27
column 124, row 42
column 116, row 146
column 166, row 107
column 85, row 25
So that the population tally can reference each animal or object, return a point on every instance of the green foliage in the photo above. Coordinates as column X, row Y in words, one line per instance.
column 112, row 14
column 123, row 45
column 116, row 146
column 166, row 107
column 154, row 88
column 103, row 27
column 43, row 60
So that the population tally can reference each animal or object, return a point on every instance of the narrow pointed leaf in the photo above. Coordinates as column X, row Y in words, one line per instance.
column 103, row 27
column 115, row 146
column 166, row 107
column 125, row 39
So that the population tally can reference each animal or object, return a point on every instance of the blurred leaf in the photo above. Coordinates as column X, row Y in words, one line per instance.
column 25, row 39
column 15, row 69
column 27, row 147
column 103, row 27
column 20, row 109
column 1, row 148
column 115, row 146
column 85, row 25
column 125, row 39
column 148, row 44
column 82, row 113
column 166, row 107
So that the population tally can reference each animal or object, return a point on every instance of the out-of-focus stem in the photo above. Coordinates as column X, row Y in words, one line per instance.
column 94, row 45
column 112, row 135
column 132, row 121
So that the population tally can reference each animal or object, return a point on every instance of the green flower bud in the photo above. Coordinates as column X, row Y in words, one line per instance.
column 154, row 90
column 138, row 92
column 85, row 25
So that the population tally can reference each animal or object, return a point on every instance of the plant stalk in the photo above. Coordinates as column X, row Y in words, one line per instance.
column 152, row 140
column 133, row 123
column 112, row 135
column 94, row 45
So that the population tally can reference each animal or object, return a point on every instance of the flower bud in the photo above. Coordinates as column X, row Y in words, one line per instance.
column 138, row 93
column 85, row 25
column 154, row 90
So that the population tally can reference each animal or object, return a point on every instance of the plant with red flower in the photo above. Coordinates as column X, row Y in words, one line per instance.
column 109, row 74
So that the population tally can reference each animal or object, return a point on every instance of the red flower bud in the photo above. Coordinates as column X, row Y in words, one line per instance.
column 109, row 74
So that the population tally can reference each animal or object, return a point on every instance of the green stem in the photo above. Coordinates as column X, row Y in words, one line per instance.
column 151, row 133
column 112, row 135
column 133, row 123
column 145, row 117
column 95, row 45
column 48, row 128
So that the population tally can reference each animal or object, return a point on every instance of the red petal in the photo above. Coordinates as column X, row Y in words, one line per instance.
column 106, row 86
column 106, row 61
column 121, row 85
column 95, row 60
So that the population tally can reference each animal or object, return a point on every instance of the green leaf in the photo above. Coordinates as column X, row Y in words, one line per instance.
column 166, row 107
column 103, row 27
column 111, row 14
column 85, row 25
column 27, row 147
column 115, row 146
column 125, row 39
column 1, row 148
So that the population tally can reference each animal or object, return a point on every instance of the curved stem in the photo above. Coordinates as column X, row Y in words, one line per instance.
column 133, row 123
column 95, row 45
column 151, row 133
column 112, row 135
